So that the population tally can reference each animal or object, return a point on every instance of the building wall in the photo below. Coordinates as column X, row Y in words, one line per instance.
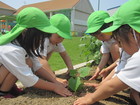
column 8, row 23
column 80, row 29
column 85, row 6
column 6, row 12
column 66, row 12
column 111, row 11
column 79, row 15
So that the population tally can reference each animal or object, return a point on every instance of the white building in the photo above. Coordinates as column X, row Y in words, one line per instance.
column 111, row 11
column 76, row 10
column 6, row 17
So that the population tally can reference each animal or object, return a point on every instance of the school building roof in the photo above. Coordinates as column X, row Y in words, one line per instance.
column 5, row 6
column 52, row 5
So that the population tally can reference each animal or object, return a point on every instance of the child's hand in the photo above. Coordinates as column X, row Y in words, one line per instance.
column 95, row 85
column 95, row 75
column 61, row 90
column 63, row 84
column 86, row 100
column 104, row 73
column 61, row 81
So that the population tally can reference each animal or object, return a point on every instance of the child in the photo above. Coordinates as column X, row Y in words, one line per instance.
column 109, row 48
column 120, row 65
column 53, row 42
column 21, row 43
column 126, row 31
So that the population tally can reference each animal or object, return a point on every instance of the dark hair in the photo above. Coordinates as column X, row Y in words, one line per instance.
column 122, row 33
column 105, row 25
column 32, row 40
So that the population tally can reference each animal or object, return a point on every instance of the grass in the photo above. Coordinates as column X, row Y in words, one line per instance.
column 73, row 50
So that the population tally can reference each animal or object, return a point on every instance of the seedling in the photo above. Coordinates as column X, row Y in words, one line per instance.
column 75, row 82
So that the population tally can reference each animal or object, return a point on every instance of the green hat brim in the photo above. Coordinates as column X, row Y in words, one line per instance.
column 11, row 35
column 93, row 29
column 110, row 29
column 108, row 20
column 48, row 29
column 65, row 35
column 135, row 27
column 18, row 29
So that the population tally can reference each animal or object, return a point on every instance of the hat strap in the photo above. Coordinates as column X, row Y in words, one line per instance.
column 134, row 34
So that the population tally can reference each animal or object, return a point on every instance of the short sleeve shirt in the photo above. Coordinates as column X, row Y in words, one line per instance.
column 105, row 48
column 122, row 62
column 130, row 74
column 48, row 47
column 13, row 57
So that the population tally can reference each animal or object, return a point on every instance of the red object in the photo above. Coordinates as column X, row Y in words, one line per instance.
column 8, row 96
column 15, row 91
column 3, row 20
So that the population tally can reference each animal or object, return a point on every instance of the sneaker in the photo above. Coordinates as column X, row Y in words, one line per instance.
column 6, row 95
column 16, row 91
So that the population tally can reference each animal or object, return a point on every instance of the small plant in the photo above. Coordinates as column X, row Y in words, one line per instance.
column 91, row 48
column 75, row 82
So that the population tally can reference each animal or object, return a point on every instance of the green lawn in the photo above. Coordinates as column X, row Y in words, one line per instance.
column 73, row 50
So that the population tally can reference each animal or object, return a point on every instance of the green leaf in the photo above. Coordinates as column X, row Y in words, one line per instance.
column 84, row 71
column 73, row 73
column 74, row 83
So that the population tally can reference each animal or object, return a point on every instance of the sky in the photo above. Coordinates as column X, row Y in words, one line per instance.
column 97, row 4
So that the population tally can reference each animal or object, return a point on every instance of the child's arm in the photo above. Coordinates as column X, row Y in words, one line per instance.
column 46, row 66
column 105, row 71
column 135, row 96
column 67, row 60
column 103, row 62
column 106, row 79
column 45, row 75
column 104, row 91
column 59, row 89
column 48, row 69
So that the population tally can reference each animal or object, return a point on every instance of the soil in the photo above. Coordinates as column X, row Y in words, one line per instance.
column 34, row 96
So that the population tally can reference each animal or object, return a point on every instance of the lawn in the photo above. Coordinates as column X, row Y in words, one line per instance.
column 73, row 50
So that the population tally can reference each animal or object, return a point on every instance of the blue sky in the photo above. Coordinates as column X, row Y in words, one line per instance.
column 104, row 4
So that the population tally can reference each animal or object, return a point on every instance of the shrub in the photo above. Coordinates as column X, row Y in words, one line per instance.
column 91, row 48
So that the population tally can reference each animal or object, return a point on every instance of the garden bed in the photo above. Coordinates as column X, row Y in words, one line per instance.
column 34, row 96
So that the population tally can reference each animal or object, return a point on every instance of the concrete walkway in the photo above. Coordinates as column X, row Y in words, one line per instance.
column 58, row 72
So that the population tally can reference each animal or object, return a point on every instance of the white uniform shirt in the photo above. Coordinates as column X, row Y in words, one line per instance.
column 130, row 74
column 13, row 57
column 122, row 62
column 105, row 48
column 48, row 47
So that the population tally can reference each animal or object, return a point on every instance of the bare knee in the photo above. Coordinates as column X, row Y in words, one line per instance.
column 8, row 82
column 3, row 73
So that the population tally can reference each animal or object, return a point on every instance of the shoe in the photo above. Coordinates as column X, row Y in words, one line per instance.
column 6, row 95
column 15, row 91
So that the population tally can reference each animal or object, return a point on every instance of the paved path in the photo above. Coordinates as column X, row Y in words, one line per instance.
column 75, row 67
